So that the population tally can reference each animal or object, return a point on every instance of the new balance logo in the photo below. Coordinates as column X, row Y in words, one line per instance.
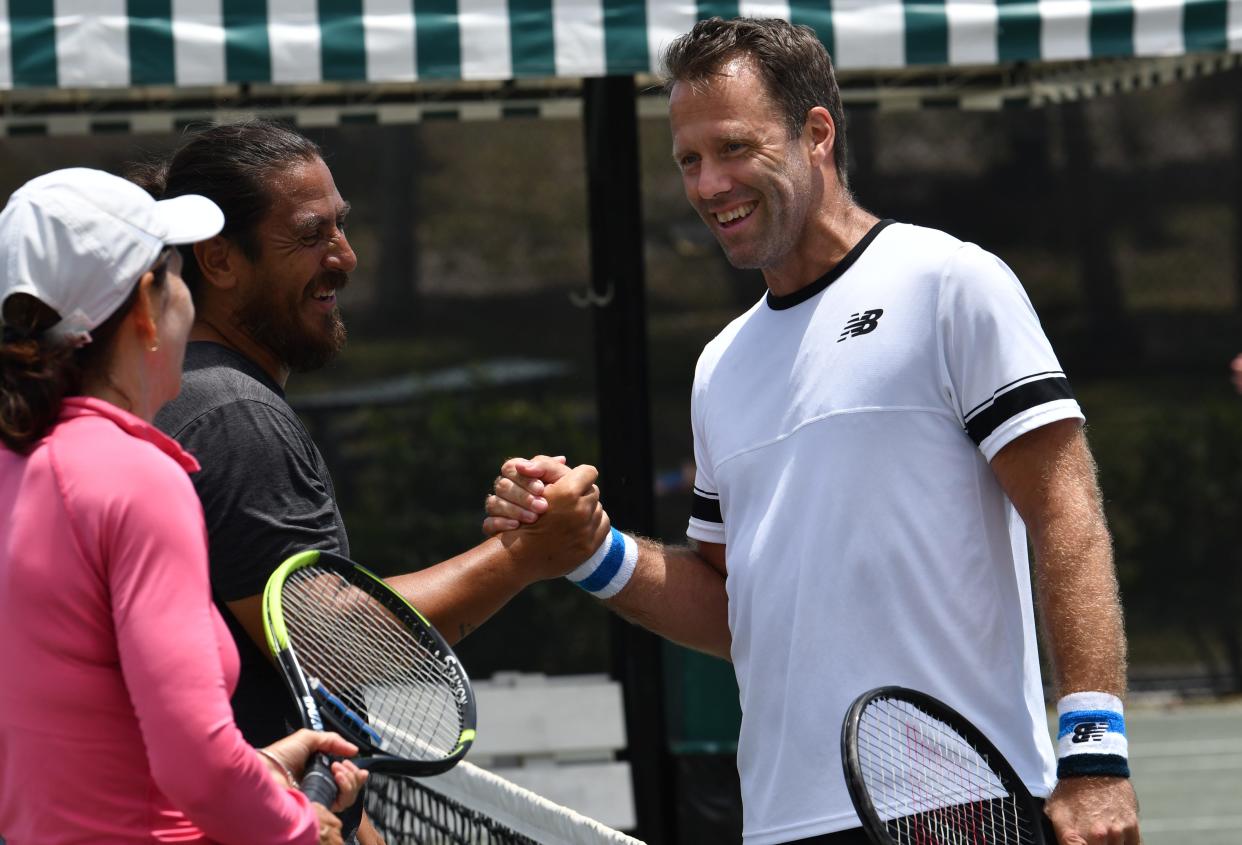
column 1089, row 732
column 863, row 322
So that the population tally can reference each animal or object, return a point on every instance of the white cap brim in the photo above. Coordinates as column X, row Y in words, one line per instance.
column 188, row 219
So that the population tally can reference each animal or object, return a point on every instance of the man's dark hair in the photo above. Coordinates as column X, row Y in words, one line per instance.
column 791, row 60
column 232, row 164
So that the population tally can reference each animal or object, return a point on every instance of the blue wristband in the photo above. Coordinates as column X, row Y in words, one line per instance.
column 604, row 573
column 1091, row 736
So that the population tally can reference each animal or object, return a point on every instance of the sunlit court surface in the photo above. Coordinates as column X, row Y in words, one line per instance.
column 1186, row 761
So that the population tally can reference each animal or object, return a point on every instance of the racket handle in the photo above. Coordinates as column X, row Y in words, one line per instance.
column 318, row 785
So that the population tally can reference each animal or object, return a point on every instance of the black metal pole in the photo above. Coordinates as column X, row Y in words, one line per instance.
column 1237, row 193
column 617, row 282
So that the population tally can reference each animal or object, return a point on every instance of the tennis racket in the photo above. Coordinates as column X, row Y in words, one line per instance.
column 919, row 773
column 360, row 660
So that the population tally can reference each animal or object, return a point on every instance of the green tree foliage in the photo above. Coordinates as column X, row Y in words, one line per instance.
column 1174, row 482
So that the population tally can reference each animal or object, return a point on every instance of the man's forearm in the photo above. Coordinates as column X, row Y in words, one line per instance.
column 1082, row 620
column 676, row 593
column 1079, row 602
column 461, row 593
column 1050, row 477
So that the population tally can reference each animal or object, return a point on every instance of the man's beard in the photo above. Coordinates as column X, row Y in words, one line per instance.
column 280, row 328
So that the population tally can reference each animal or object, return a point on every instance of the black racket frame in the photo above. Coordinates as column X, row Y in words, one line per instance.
column 317, row 781
column 876, row 829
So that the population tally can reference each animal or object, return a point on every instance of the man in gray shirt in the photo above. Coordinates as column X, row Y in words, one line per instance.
column 265, row 296
column 266, row 493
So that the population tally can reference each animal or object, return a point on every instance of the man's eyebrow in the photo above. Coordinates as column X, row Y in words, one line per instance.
column 312, row 221
column 309, row 220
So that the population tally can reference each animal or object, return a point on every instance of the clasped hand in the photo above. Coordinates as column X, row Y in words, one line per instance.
column 547, row 513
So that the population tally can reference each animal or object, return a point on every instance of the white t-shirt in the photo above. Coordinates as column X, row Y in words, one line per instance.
column 842, row 436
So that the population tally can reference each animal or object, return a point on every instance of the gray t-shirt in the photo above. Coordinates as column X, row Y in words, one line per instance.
column 266, row 494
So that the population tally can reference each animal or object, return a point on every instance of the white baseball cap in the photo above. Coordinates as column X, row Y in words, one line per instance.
column 78, row 240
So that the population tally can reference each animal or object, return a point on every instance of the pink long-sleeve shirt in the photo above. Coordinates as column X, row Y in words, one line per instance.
column 115, row 667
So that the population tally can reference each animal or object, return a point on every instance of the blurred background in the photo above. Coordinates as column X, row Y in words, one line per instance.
column 471, row 341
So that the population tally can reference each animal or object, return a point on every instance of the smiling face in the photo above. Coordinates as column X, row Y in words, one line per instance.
column 753, row 186
column 288, row 293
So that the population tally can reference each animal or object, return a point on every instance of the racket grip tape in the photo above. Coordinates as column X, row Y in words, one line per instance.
column 318, row 785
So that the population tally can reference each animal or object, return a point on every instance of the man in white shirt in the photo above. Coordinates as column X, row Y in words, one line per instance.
column 874, row 440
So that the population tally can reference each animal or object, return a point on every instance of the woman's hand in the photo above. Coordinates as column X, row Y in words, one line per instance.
column 296, row 749
column 329, row 826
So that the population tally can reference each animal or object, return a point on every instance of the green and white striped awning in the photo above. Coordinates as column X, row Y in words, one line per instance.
column 184, row 43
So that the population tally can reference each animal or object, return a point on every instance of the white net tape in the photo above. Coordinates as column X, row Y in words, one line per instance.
column 471, row 806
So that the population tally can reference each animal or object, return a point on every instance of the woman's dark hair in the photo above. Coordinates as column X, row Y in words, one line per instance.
column 38, row 371
column 231, row 164
column 791, row 60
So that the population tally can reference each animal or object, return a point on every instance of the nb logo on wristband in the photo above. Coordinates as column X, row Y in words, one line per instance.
column 1089, row 732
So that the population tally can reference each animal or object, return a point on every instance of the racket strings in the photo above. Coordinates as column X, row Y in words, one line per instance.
column 371, row 666
column 930, row 785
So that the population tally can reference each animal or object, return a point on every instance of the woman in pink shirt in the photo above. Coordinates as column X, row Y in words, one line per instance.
column 115, row 724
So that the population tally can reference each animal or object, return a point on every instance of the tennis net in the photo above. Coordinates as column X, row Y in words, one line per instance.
column 471, row 806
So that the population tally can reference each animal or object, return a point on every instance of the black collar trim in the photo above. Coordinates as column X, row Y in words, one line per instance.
column 789, row 300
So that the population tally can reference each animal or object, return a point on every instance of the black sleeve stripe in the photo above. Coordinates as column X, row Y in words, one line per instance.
column 1004, row 387
column 1009, row 405
column 699, row 491
column 705, row 509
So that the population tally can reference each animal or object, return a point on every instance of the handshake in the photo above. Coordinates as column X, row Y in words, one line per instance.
column 548, row 515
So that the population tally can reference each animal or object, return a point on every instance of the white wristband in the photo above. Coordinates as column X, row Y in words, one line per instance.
column 1091, row 735
column 604, row 573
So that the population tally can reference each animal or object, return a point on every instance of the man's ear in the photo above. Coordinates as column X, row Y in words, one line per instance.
column 218, row 258
column 821, row 133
